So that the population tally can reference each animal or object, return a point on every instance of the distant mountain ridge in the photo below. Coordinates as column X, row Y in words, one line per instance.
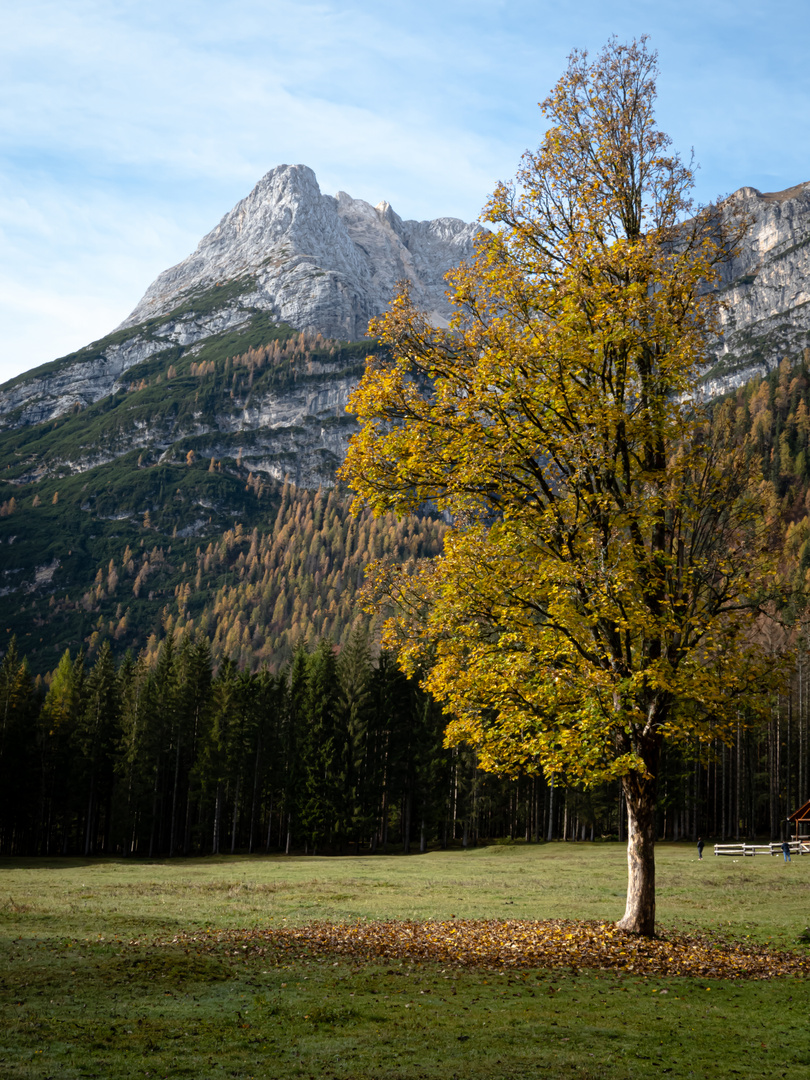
column 286, row 254
column 315, row 261
column 126, row 466
column 151, row 455
column 289, row 259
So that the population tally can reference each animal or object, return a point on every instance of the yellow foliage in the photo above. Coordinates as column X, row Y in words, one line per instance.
column 599, row 590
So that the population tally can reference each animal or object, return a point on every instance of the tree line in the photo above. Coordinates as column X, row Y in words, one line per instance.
column 176, row 757
column 171, row 754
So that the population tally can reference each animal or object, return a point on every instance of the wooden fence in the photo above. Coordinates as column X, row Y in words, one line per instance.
column 797, row 847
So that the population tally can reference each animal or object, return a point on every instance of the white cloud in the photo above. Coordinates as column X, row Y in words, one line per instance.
column 130, row 128
column 71, row 268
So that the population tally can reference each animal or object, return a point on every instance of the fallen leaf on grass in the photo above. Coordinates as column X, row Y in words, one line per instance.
column 495, row 943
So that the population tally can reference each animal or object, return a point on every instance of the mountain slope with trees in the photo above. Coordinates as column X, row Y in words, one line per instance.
column 130, row 744
column 602, row 589
column 287, row 570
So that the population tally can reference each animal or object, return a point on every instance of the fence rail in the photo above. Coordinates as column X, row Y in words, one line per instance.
column 797, row 847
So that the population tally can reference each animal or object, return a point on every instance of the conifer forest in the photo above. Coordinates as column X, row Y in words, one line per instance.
column 259, row 714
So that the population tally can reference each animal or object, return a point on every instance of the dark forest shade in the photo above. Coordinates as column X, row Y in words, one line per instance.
column 192, row 748
column 335, row 754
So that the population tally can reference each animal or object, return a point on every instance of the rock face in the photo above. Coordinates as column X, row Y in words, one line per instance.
column 315, row 261
column 236, row 368
column 287, row 254
column 324, row 264
column 767, row 287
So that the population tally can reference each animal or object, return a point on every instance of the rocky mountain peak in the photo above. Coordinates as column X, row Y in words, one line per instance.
column 319, row 262
column 285, row 254
column 326, row 264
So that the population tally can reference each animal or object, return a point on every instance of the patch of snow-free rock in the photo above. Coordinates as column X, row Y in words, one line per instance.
column 320, row 262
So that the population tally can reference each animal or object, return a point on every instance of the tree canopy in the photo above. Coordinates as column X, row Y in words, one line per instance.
column 599, row 589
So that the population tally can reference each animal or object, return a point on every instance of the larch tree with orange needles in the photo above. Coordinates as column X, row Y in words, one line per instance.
column 597, row 591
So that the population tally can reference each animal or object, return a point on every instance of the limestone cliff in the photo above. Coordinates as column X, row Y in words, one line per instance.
column 766, row 287
column 315, row 261
column 285, row 254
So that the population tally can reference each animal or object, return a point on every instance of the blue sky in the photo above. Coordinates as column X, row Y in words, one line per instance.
column 127, row 129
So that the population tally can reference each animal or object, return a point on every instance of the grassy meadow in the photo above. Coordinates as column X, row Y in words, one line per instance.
column 84, row 992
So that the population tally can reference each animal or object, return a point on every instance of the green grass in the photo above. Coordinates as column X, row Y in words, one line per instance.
column 78, row 1000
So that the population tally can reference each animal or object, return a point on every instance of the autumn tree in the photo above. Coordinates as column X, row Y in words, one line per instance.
column 597, row 591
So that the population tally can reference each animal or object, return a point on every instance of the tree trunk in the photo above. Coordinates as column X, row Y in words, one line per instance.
column 235, row 813
column 187, row 824
column 772, row 780
column 155, row 792
column 639, row 915
column 406, row 825
column 255, row 793
column 174, row 797
column 788, row 790
column 88, row 835
column 738, row 791
column 724, row 818
column 217, row 811
column 550, row 834
column 802, row 788
column 269, row 824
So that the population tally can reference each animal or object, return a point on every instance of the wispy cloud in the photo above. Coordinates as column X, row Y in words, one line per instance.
column 129, row 129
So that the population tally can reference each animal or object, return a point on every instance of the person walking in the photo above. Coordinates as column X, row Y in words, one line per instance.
column 700, row 847
column 786, row 850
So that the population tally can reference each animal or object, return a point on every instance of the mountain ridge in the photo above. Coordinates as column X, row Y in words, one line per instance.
column 180, row 428
column 318, row 262
column 766, row 287
column 286, row 257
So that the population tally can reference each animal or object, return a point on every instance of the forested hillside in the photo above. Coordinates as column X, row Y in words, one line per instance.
column 775, row 411
column 219, row 692
column 290, row 572
column 165, row 505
